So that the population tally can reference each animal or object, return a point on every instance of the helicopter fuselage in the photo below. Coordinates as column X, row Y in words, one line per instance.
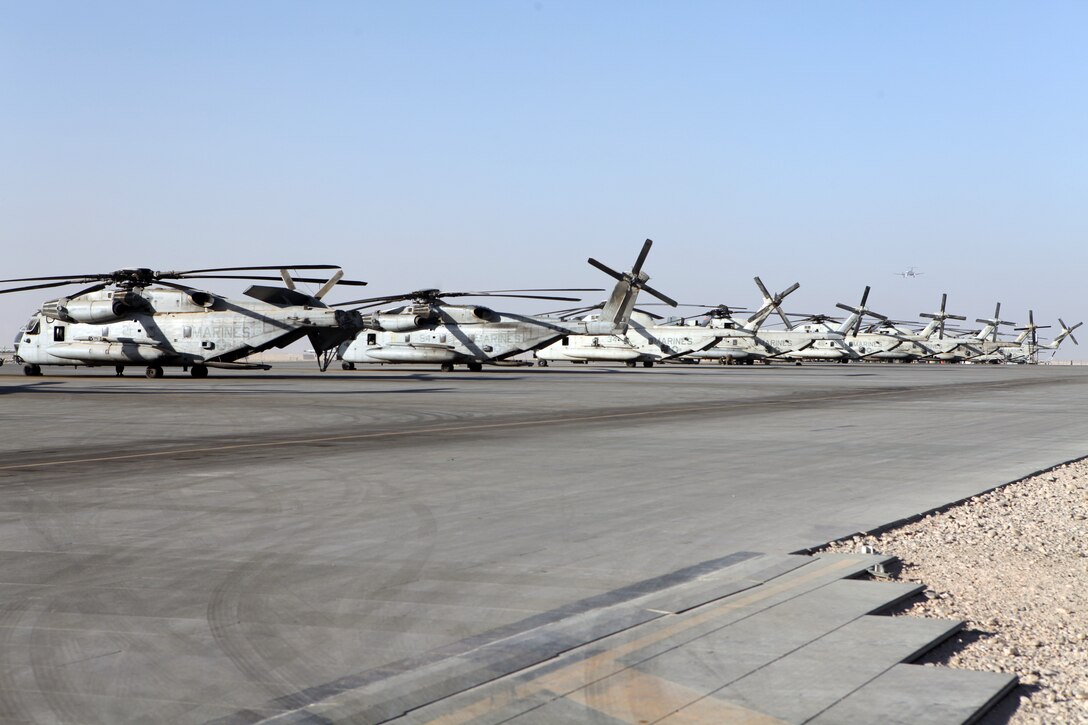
column 161, row 327
column 719, row 340
column 446, row 334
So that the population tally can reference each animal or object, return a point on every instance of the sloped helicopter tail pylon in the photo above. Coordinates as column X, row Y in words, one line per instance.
column 289, row 295
column 616, row 313
column 325, row 340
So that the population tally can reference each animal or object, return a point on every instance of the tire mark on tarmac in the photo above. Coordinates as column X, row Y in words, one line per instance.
column 793, row 401
column 240, row 616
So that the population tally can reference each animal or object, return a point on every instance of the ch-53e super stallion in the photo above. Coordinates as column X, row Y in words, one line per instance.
column 1026, row 348
column 721, row 338
column 887, row 340
column 983, row 345
column 892, row 340
column 430, row 330
column 136, row 316
column 652, row 339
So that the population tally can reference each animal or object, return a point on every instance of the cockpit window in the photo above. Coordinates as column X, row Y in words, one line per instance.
column 33, row 327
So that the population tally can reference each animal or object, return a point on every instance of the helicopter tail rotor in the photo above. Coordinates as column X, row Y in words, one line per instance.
column 1030, row 332
column 616, row 312
column 995, row 323
column 771, row 303
column 857, row 314
column 939, row 318
column 635, row 279
column 1067, row 331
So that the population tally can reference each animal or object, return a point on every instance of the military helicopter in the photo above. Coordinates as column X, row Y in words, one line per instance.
column 649, row 339
column 982, row 345
column 812, row 340
column 1025, row 349
column 721, row 338
column 137, row 316
column 430, row 330
column 884, row 340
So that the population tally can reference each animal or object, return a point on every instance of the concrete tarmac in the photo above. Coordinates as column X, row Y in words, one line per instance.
column 190, row 550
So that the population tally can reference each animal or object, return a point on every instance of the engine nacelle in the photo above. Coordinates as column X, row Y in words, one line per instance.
column 91, row 311
column 201, row 298
column 120, row 304
column 485, row 313
column 395, row 322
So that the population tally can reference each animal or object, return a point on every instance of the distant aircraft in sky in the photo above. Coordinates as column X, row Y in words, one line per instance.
column 910, row 273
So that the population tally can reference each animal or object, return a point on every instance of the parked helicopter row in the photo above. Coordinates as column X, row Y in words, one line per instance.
column 138, row 316
column 719, row 335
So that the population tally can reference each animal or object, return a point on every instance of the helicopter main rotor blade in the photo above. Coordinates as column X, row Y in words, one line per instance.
column 255, row 268
column 269, row 278
column 508, row 293
column 370, row 301
column 69, row 278
column 47, row 285
column 176, row 285
column 540, row 289
column 525, row 297
column 572, row 310
column 649, row 314
column 93, row 288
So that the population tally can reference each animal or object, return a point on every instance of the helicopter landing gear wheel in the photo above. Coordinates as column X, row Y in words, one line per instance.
column 475, row 367
column 648, row 364
column 630, row 363
column 347, row 365
column 447, row 367
column 542, row 363
column 32, row 370
column 119, row 370
column 198, row 371
column 153, row 371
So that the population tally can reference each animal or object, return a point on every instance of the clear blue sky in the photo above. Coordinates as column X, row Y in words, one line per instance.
column 498, row 144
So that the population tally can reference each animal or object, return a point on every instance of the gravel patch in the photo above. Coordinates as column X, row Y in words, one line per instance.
column 1012, row 563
